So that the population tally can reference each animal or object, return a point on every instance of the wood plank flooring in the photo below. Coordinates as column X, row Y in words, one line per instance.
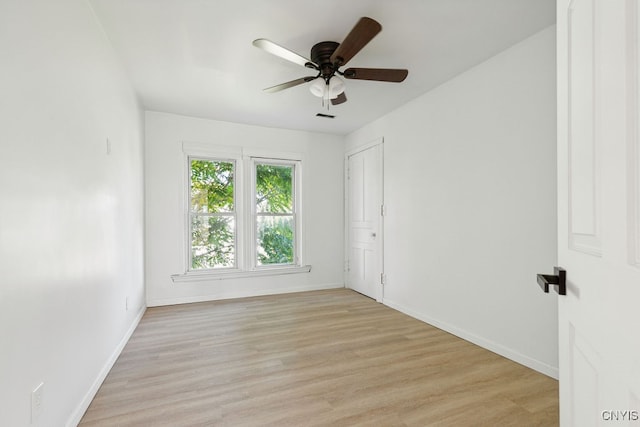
column 312, row 359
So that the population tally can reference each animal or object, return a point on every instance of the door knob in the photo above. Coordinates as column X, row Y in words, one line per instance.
column 373, row 235
column 558, row 280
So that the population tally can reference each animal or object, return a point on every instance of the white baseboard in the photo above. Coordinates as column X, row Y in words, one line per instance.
column 77, row 415
column 156, row 302
column 543, row 368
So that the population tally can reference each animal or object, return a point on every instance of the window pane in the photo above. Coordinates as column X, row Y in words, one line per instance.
column 275, row 240
column 211, row 186
column 274, row 188
column 212, row 242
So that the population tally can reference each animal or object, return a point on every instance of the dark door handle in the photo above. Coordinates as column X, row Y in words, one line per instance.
column 558, row 280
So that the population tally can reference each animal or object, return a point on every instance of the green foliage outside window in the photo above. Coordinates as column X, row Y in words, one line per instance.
column 212, row 186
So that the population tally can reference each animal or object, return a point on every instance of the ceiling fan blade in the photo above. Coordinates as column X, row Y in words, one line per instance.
column 283, row 52
column 364, row 30
column 342, row 98
column 287, row 85
column 378, row 74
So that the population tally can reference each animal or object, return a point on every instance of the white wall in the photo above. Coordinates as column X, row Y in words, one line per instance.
column 165, row 210
column 471, row 203
column 71, row 216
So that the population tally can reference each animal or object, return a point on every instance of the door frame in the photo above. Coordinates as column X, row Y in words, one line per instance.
column 379, row 297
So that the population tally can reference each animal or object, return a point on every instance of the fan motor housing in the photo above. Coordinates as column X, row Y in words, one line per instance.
column 321, row 55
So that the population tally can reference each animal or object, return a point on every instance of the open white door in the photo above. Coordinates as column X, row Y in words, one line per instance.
column 598, row 214
column 364, row 225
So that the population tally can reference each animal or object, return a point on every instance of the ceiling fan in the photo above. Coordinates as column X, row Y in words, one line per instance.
column 327, row 58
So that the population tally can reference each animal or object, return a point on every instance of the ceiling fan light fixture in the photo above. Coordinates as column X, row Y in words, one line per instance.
column 327, row 90
column 318, row 87
column 336, row 87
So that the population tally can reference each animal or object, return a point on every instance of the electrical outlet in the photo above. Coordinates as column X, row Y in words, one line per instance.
column 36, row 402
column 126, row 304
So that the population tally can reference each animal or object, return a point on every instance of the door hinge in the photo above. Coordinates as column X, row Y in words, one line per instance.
column 383, row 278
column 346, row 266
column 383, row 210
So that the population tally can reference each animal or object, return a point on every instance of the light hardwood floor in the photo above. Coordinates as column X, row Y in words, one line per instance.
column 316, row 358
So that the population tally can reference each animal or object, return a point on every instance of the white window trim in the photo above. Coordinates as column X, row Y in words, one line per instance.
column 237, row 205
column 252, row 218
column 245, row 263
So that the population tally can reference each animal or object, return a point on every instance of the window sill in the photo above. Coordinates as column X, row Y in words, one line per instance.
column 197, row 276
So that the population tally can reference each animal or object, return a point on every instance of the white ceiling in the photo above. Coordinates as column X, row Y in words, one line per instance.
column 195, row 57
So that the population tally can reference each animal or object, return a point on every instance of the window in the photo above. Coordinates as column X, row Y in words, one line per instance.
column 243, row 213
column 212, row 214
column 275, row 221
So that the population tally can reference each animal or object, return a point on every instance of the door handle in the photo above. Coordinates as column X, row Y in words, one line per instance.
column 558, row 280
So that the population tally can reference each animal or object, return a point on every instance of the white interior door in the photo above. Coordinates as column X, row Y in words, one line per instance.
column 364, row 225
column 598, row 215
